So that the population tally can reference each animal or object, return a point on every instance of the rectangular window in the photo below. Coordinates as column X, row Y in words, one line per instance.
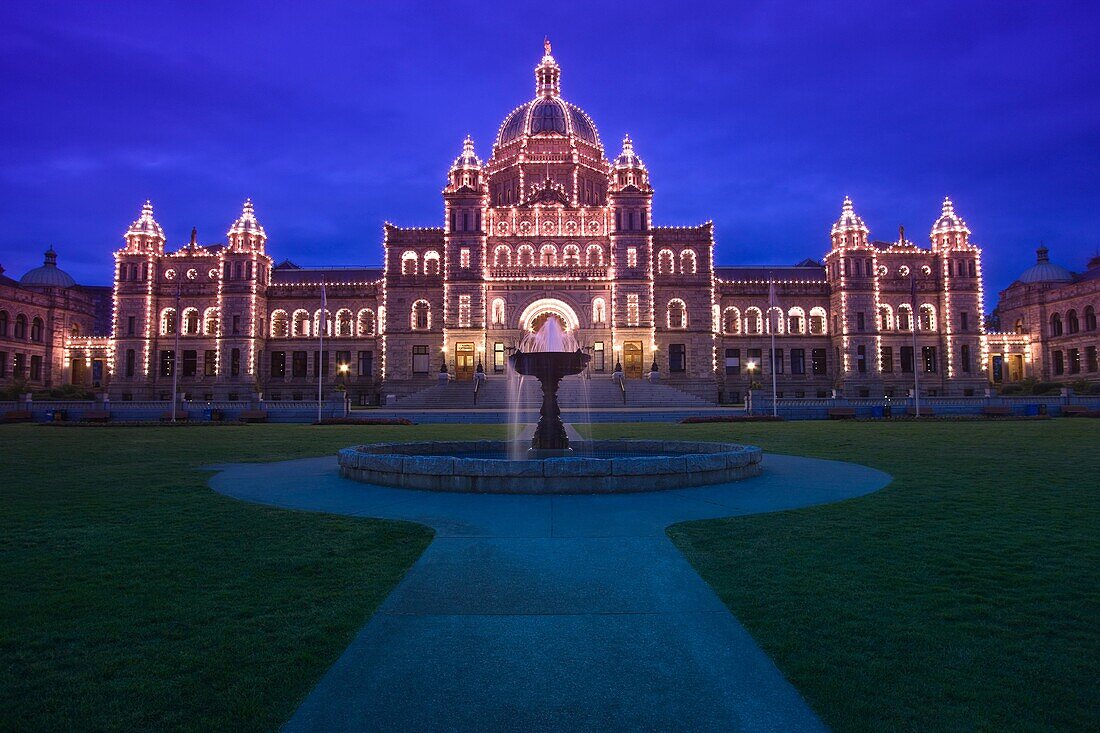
column 167, row 362
column 755, row 363
column 861, row 359
column 320, row 363
column 1090, row 358
column 907, row 359
column 887, row 359
column 498, row 357
column 299, row 364
column 464, row 311
column 19, row 366
column 1059, row 363
column 36, row 367
column 631, row 256
column 236, row 324
column 131, row 359
column 632, row 309
column 677, row 358
column 777, row 361
column 343, row 363
column 817, row 362
column 598, row 356
column 210, row 363
column 798, row 361
column 964, row 321
column 964, row 356
column 464, row 258
column 130, row 326
column 861, row 322
column 733, row 361
column 1074, row 361
column 928, row 354
column 278, row 364
column 420, row 360
column 972, row 269
column 235, row 362
column 3, row 364
column 366, row 364
column 190, row 363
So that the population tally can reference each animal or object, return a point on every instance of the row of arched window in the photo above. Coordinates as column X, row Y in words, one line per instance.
column 756, row 321
column 18, row 327
column 1072, row 322
column 410, row 263
column 190, row 323
column 666, row 262
column 548, row 255
column 343, row 324
column 888, row 320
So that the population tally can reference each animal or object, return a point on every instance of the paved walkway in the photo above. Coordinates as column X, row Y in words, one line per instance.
column 552, row 613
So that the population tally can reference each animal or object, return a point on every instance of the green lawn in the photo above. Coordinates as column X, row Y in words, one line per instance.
column 963, row 597
column 136, row 598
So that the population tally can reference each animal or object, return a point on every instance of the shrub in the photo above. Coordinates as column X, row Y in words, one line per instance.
column 1046, row 388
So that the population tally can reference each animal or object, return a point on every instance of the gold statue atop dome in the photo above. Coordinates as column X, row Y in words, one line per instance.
column 546, row 44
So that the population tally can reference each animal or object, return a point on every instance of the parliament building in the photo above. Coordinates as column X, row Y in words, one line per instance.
column 548, row 227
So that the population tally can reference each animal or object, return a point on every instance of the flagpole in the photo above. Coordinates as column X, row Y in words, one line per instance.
column 772, row 327
column 914, row 318
column 322, row 322
column 176, row 354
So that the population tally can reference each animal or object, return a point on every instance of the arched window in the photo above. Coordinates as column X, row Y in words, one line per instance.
column 431, row 262
column 1019, row 328
column 502, row 256
column 753, row 321
column 774, row 320
column 365, row 322
column 190, row 321
column 677, row 314
column 167, row 322
column 818, row 319
column 1072, row 324
column 36, row 329
column 301, row 324
column 905, row 318
column 210, row 321
column 74, row 331
column 497, row 312
column 280, row 326
column 927, row 318
column 599, row 311
column 731, row 320
column 1056, row 324
column 571, row 255
column 3, row 324
column 525, row 255
column 796, row 320
column 421, row 316
column 1090, row 318
column 687, row 262
column 322, row 321
column 665, row 262
column 885, row 318
column 344, row 319
column 410, row 262
column 593, row 255
column 548, row 255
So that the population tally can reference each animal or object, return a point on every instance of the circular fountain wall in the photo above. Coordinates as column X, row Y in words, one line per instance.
column 596, row 467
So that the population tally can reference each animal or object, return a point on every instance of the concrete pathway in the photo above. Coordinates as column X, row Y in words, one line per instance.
column 552, row 613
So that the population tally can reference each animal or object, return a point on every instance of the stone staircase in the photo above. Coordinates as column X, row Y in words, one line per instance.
column 574, row 393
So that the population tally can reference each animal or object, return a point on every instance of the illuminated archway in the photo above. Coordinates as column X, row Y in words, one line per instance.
column 549, row 306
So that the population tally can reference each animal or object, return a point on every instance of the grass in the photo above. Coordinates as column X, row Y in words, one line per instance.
column 963, row 597
column 134, row 598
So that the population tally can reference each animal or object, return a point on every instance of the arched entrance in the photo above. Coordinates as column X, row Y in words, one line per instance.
column 536, row 314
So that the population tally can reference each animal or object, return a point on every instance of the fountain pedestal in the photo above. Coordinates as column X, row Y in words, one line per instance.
column 549, row 367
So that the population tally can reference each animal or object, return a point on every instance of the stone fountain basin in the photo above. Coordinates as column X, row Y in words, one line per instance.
column 598, row 466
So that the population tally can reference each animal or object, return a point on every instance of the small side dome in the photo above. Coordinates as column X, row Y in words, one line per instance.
column 145, row 225
column 949, row 222
column 246, row 223
column 49, row 275
column 628, row 158
column 1045, row 271
column 849, row 228
column 467, row 159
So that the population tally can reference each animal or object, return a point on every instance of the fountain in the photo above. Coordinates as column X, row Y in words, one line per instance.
column 550, row 354
column 549, row 362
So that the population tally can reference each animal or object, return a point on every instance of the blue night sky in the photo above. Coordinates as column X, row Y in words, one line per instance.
column 337, row 117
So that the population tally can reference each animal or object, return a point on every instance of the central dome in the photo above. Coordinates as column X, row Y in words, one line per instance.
column 547, row 114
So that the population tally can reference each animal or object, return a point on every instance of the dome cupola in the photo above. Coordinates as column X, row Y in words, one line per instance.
column 246, row 232
column 849, row 230
column 1045, row 271
column 145, row 234
column 49, row 275
column 629, row 170
column 949, row 230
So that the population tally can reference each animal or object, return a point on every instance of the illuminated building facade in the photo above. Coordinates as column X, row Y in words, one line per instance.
column 550, row 227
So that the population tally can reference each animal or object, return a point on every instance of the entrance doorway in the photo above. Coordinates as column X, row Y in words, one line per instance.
column 632, row 359
column 1015, row 368
column 464, row 361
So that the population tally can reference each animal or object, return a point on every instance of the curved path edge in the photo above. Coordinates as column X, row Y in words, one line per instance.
column 551, row 613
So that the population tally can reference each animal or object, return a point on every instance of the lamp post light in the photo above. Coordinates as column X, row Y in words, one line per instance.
column 750, row 367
